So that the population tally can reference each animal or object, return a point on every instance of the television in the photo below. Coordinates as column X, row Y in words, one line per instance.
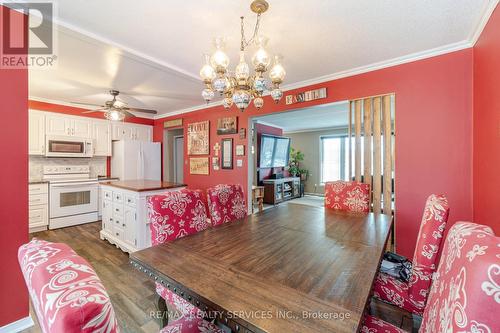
column 274, row 151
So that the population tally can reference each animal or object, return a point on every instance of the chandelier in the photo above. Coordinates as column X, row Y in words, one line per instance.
column 240, row 87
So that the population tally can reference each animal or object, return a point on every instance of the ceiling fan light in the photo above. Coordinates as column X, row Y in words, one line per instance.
column 114, row 115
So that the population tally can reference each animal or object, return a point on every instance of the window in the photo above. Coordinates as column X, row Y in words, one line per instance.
column 334, row 158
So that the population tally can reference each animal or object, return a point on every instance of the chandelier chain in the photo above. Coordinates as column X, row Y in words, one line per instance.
column 244, row 42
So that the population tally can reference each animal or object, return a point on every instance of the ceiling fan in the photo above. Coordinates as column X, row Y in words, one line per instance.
column 115, row 109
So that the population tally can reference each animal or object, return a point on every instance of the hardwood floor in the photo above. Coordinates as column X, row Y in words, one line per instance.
column 131, row 292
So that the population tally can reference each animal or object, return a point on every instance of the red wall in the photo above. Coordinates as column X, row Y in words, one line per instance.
column 265, row 173
column 433, row 134
column 487, row 124
column 14, row 191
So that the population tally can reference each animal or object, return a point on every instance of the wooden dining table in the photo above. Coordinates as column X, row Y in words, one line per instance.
column 291, row 268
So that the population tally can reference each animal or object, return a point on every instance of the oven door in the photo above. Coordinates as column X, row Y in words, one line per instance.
column 67, row 199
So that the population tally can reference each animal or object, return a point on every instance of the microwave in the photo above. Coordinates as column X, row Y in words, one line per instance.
column 68, row 146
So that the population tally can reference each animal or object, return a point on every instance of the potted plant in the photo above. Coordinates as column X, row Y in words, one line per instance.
column 304, row 173
column 296, row 156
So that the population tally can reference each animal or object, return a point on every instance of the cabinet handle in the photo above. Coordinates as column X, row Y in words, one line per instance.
column 123, row 225
column 117, row 234
column 111, row 219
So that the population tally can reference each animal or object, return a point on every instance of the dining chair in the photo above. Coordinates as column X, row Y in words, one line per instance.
column 174, row 215
column 66, row 293
column 465, row 295
column 347, row 196
column 412, row 295
column 226, row 203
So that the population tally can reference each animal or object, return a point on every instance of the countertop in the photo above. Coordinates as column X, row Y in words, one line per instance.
column 104, row 178
column 34, row 182
column 143, row 185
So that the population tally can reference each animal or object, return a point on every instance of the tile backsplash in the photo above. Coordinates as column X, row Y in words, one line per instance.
column 36, row 163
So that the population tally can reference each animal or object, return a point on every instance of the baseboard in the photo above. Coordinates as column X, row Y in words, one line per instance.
column 18, row 325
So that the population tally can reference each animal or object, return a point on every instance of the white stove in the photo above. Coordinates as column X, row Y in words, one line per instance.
column 73, row 195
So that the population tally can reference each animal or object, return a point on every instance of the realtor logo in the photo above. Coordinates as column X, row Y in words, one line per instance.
column 27, row 38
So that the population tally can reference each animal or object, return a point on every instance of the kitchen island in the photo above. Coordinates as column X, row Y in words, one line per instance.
column 125, row 212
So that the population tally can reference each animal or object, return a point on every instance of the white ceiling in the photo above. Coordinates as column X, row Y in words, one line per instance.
column 333, row 115
column 153, row 49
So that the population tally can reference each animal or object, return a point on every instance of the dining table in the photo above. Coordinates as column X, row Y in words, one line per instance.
column 291, row 268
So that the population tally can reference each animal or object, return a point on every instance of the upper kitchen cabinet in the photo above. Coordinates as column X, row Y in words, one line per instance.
column 36, row 133
column 143, row 133
column 101, row 133
column 67, row 125
column 124, row 131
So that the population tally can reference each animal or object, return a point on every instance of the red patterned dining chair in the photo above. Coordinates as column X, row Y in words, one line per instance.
column 226, row 203
column 66, row 293
column 465, row 295
column 347, row 196
column 174, row 215
column 412, row 295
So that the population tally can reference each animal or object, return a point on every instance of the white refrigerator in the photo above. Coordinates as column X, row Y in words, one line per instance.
column 136, row 160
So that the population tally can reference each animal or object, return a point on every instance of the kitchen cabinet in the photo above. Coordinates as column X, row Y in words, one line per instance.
column 66, row 125
column 125, row 216
column 101, row 135
column 124, row 131
column 38, row 203
column 36, row 133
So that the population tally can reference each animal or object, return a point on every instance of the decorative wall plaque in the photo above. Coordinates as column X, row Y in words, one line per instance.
column 173, row 123
column 306, row 96
column 198, row 165
column 198, row 138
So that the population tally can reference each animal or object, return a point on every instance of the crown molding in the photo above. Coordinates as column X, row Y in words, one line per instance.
column 382, row 64
column 490, row 8
column 79, row 106
column 343, row 74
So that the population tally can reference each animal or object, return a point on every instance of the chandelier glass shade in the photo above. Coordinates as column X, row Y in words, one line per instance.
column 241, row 86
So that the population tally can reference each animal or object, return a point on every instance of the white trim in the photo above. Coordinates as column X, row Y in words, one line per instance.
column 490, row 7
column 383, row 64
column 321, row 129
column 18, row 325
column 351, row 72
column 258, row 121
column 79, row 106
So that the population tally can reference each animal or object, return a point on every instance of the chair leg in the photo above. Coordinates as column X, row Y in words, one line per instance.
column 162, row 310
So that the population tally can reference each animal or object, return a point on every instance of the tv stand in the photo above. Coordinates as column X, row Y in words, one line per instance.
column 279, row 190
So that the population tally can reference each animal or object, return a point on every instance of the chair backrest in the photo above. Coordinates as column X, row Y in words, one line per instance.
column 65, row 291
column 226, row 203
column 347, row 196
column 176, row 214
column 465, row 294
column 429, row 241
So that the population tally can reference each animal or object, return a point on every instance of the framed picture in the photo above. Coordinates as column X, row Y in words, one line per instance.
column 215, row 163
column 243, row 133
column 198, row 166
column 240, row 150
column 227, row 125
column 198, row 138
column 227, row 153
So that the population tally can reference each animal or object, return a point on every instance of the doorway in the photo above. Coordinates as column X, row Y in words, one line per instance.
column 178, row 159
column 173, row 155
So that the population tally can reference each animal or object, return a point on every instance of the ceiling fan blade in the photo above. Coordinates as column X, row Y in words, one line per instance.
column 142, row 110
column 85, row 103
column 128, row 114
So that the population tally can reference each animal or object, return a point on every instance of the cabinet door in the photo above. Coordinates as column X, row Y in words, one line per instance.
column 36, row 133
column 81, row 128
column 107, row 213
column 57, row 125
column 121, row 131
column 143, row 133
column 129, row 217
column 101, row 134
